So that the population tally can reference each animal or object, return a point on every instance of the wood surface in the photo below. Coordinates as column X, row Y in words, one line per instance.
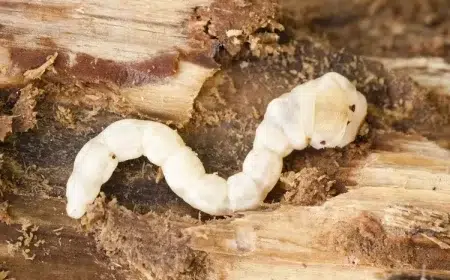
column 387, row 219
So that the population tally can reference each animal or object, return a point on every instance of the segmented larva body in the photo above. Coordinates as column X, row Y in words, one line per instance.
column 324, row 113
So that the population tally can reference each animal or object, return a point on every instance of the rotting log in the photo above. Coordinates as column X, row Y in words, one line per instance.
column 375, row 231
column 37, row 165
column 156, row 54
column 370, row 232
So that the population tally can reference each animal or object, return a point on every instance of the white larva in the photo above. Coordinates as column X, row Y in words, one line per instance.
column 324, row 113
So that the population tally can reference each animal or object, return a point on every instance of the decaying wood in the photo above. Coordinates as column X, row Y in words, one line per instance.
column 394, row 227
column 39, row 242
column 431, row 72
column 373, row 231
column 157, row 54
column 370, row 232
column 413, row 164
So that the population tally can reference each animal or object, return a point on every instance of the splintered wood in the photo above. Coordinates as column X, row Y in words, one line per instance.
column 378, row 209
column 135, row 50
column 432, row 72
column 155, row 54
column 384, row 223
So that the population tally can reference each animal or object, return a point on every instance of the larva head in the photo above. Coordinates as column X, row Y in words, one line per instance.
column 334, row 108
column 355, row 122
column 75, row 211
column 80, row 192
column 95, row 161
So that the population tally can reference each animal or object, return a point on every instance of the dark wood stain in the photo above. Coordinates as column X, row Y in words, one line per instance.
column 97, row 70
column 203, row 58
column 148, row 71
column 27, row 59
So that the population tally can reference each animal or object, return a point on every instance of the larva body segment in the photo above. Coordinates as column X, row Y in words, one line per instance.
column 243, row 192
column 182, row 170
column 80, row 192
column 97, row 164
column 272, row 137
column 325, row 112
column 343, row 83
column 93, row 166
column 264, row 167
column 159, row 142
column 210, row 193
column 330, row 120
column 285, row 114
column 124, row 139
column 85, row 151
column 333, row 110
column 303, row 98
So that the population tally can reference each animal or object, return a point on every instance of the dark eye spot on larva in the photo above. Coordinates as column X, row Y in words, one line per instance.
column 323, row 142
column 113, row 156
column 352, row 107
column 348, row 122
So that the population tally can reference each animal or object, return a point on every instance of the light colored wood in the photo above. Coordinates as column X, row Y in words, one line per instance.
column 121, row 31
column 139, row 49
column 410, row 163
column 289, row 242
column 407, row 190
column 267, row 268
column 431, row 72
column 172, row 98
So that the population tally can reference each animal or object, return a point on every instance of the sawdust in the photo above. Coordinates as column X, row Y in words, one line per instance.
column 152, row 244
column 4, row 274
column 36, row 73
column 4, row 215
column 375, row 28
column 25, row 116
column 22, row 116
column 307, row 187
column 5, row 127
column 364, row 238
column 65, row 117
column 68, row 97
column 215, row 24
column 19, row 179
column 25, row 241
